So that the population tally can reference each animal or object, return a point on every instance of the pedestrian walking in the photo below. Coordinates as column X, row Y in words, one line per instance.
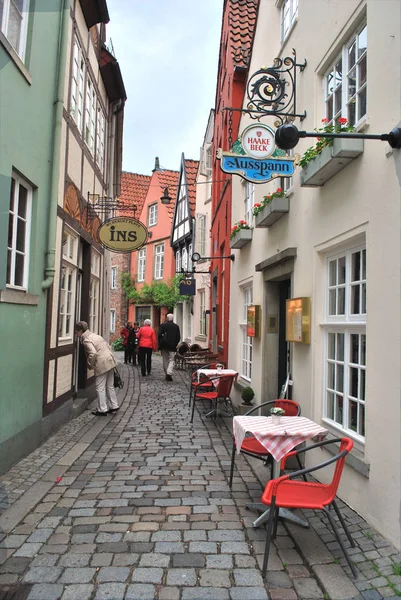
column 100, row 359
column 133, row 343
column 147, row 343
column 124, row 333
column 169, row 338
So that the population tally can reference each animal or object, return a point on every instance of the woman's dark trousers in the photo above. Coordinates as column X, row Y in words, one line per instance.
column 145, row 360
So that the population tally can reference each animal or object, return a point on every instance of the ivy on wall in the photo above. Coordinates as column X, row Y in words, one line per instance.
column 160, row 293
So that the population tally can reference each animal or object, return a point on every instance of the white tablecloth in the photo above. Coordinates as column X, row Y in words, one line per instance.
column 211, row 372
column 277, row 439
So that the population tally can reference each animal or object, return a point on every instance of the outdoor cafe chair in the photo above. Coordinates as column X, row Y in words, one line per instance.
column 182, row 349
column 286, row 493
column 251, row 446
column 205, row 385
column 222, row 385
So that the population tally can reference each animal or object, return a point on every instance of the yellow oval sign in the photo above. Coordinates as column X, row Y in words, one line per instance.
column 122, row 234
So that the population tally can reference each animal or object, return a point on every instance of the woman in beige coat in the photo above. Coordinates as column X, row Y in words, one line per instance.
column 101, row 360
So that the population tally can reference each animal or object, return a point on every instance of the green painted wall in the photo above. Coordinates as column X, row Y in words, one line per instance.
column 26, row 124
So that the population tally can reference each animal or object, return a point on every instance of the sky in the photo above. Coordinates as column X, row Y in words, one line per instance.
column 168, row 55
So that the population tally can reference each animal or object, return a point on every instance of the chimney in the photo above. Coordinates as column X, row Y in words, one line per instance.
column 157, row 165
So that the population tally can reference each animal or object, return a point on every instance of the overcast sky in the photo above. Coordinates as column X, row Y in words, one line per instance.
column 168, row 54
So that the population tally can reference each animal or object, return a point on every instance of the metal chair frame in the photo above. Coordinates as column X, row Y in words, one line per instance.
column 217, row 392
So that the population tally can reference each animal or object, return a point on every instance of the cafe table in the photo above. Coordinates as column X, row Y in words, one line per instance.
column 279, row 440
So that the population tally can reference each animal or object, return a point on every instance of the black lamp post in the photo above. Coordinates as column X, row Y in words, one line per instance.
column 165, row 199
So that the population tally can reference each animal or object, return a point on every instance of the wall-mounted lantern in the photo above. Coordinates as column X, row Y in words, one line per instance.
column 165, row 199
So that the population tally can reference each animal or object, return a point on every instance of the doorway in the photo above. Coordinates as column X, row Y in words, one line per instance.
column 284, row 357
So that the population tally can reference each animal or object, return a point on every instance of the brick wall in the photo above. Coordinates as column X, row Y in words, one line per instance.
column 118, row 302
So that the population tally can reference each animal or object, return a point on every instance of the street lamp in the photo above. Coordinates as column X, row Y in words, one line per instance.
column 165, row 199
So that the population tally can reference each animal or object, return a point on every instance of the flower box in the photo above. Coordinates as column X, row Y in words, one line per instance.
column 330, row 161
column 272, row 212
column 239, row 239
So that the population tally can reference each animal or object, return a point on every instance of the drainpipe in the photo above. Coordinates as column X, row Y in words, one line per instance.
column 56, row 147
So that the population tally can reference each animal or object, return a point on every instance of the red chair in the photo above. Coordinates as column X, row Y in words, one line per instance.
column 285, row 493
column 196, row 384
column 251, row 446
column 222, row 385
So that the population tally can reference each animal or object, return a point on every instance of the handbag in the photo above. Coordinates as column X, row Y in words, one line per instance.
column 118, row 382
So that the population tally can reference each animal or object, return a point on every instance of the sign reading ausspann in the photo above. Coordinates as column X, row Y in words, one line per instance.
column 122, row 234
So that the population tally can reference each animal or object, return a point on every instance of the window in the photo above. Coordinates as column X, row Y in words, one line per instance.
column 184, row 259
column 77, row 86
column 178, row 261
column 159, row 261
column 67, row 285
column 286, row 182
column 202, row 314
column 100, row 139
column 113, row 283
column 289, row 13
column 345, row 329
column 190, row 263
column 142, row 313
column 202, row 235
column 90, row 115
column 249, row 201
column 13, row 23
column 94, row 292
column 346, row 81
column 152, row 215
column 141, row 264
column 112, row 320
column 19, row 229
column 246, row 346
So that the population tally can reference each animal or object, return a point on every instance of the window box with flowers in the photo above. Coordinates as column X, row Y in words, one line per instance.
column 329, row 156
column 240, row 234
column 271, row 209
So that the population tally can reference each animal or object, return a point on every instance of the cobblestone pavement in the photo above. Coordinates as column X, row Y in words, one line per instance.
column 136, row 506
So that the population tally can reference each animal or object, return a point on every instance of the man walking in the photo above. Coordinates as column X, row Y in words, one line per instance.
column 169, row 337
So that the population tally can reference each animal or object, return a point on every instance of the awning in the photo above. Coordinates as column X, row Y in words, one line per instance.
column 95, row 11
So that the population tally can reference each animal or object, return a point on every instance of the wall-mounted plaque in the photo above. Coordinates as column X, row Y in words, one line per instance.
column 253, row 321
column 298, row 320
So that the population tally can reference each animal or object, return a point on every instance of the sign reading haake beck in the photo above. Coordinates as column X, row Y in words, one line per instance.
column 121, row 234
column 258, row 141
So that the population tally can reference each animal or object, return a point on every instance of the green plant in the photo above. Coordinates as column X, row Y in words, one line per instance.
column 277, row 411
column 247, row 395
column 337, row 127
column 160, row 293
column 237, row 227
column 368, row 534
column 397, row 569
column 117, row 344
column 259, row 206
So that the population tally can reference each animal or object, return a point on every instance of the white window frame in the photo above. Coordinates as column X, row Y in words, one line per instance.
column 178, row 264
column 249, row 200
column 338, row 92
column 112, row 320
column 94, row 292
column 90, row 115
column 20, row 46
column 100, row 134
column 78, row 86
column 141, row 264
column 202, row 235
column 184, row 259
column 342, row 329
column 14, row 251
column 202, row 309
column 152, row 221
column 246, row 341
column 113, row 280
column 67, row 294
column 288, row 17
column 159, row 261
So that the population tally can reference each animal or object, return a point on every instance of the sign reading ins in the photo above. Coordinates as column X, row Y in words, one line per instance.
column 122, row 234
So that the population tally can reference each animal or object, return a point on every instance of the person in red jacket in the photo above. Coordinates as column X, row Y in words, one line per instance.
column 146, row 343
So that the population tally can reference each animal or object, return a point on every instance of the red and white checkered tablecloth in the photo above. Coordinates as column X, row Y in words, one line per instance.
column 211, row 372
column 277, row 439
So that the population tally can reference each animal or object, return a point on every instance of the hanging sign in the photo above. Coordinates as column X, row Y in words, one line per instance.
column 253, row 321
column 187, row 287
column 256, row 158
column 122, row 235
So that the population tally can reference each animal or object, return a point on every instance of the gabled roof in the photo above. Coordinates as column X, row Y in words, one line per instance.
column 191, row 169
column 168, row 179
column 242, row 15
column 134, row 189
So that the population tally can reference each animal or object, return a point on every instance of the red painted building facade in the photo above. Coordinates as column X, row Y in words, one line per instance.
column 238, row 25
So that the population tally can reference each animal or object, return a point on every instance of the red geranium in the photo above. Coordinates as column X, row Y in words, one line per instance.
column 279, row 190
column 342, row 121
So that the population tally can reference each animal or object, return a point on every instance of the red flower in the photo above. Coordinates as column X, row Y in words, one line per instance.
column 342, row 121
column 269, row 197
column 325, row 120
column 256, row 205
column 242, row 222
column 279, row 191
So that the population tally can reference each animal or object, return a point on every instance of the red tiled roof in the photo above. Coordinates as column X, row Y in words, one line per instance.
column 168, row 179
column 134, row 189
column 241, row 21
column 191, row 168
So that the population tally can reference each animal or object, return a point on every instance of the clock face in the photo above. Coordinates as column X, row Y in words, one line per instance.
column 196, row 256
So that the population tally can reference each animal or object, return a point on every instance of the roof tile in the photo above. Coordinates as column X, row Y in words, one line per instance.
column 191, row 168
column 242, row 22
column 134, row 188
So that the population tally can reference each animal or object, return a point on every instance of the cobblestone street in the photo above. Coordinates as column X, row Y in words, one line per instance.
column 136, row 506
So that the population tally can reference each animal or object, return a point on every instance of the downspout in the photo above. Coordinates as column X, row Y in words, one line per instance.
column 56, row 146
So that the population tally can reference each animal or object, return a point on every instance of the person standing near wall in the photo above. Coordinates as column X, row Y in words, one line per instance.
column 147, row 344
column 100, row 360
column 169, row 338
column 125, row 335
